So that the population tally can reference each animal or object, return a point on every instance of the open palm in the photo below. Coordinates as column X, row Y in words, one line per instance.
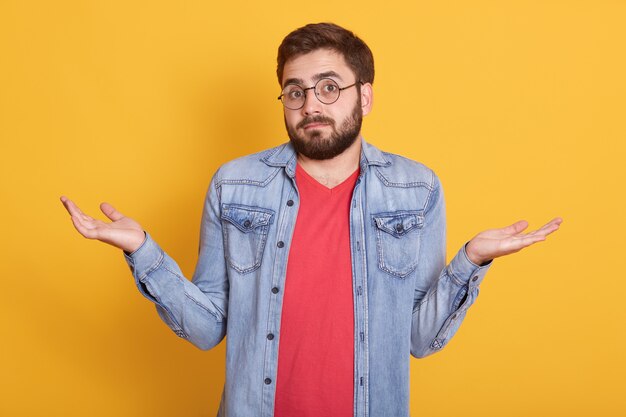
column 122, row 232
column 494, row 243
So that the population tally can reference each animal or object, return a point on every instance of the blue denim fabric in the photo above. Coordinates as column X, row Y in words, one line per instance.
column 406, row 300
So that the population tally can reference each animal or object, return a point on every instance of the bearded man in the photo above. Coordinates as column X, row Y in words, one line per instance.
column 322, row 259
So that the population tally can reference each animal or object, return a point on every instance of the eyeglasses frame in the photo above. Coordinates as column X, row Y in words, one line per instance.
column 316, row 96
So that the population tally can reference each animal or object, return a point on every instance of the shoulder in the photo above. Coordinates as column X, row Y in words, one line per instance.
column 395, row 170
column 255, row 169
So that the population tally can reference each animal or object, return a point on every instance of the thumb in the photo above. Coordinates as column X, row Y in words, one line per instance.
column 516, row 227
column 110, row 212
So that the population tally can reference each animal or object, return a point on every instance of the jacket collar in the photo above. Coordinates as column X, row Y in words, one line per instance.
column 285, row 156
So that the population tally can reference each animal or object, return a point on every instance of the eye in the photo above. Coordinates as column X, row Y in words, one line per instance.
column 327, row 90
column 294, row 93
column 330, row 88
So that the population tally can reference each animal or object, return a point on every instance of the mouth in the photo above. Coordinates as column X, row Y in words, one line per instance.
column 315, row 125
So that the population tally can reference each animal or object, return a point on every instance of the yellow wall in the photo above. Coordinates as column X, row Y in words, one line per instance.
column 520, row 106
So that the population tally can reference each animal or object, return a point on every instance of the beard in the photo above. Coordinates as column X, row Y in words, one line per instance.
column 320, row 148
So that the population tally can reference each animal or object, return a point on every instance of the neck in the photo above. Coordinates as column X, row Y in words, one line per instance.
column 332, row 172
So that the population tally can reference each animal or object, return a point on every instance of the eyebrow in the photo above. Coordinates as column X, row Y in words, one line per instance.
column 316, row 78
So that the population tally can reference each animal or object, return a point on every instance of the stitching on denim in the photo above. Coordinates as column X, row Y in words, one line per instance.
column 260, row 251
column 382, row 162
column 249, row 209
column 419, row 305
column 263, row 232
column 437, row 343
column 181, row 278
column 270, row 153
column 203, row 307
column 245, row 181
column 178, row 328
column 152, row 268
column 381, row 255
column 461, row 295
column 402, row 184
column 395, row 156
column 364, row 298
column 431, row 190
column 455, row 278
column 380, row 249
column 442, row 334
column 419, row 221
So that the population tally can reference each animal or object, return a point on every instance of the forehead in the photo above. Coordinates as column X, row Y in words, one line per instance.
column 306, row 67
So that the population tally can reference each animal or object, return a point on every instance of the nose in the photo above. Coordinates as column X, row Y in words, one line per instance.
column 311, row 104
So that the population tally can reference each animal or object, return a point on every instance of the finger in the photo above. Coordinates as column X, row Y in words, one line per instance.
column 541, row 231
column 556, row 221
column 87, row 217
column 110, row 212
column 87, row 223
column 90, row 233
column 550, row 227
column 516, row 227
column 71, row 207
column 547, row 228
column 518, row 243
column 530, row 240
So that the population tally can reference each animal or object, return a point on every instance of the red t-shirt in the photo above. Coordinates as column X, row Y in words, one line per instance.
column 316, row 348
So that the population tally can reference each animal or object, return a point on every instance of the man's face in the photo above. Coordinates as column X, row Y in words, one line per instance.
column 323, row 131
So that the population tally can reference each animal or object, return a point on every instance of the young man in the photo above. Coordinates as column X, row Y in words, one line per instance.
column 323, row 259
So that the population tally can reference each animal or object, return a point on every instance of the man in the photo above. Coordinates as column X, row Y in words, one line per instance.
column 323, row 259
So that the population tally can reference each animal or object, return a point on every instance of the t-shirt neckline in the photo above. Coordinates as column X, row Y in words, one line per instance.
column 348, row 182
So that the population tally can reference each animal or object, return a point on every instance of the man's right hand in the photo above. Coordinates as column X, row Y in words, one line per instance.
column 123, row 232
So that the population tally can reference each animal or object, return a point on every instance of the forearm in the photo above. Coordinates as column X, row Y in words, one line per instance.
column 438, row 315
column 189, row 312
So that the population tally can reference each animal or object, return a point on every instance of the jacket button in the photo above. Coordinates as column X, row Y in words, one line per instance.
column 247, row 223
column 280, row 244
column 290, row 203
column 399, row 227
column 475, row 278
column 275, row 290
column 270, row 336
column 268, row 381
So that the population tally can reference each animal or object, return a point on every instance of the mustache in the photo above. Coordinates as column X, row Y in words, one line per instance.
column 315, row 119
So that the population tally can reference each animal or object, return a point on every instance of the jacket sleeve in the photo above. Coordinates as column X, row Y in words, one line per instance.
column 195, row 310
column 443, row 293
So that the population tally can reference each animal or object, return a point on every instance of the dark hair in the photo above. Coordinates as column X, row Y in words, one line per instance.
column 316, row 36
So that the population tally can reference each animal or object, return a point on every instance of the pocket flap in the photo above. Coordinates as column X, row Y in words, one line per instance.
column 399, row 223
column 246, row 218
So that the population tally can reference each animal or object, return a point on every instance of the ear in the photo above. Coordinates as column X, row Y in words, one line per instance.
column 367, row 97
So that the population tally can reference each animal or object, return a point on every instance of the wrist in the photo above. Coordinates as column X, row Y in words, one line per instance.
column 474, row 257
column 137, row 242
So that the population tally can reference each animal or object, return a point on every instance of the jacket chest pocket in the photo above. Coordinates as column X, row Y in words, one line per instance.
column 245, row 230
column 397, row 241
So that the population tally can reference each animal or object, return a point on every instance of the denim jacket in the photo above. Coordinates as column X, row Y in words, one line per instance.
column 406, row 300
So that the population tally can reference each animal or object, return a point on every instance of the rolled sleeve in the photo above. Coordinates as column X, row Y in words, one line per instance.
column 145, row 259
column 465, row 272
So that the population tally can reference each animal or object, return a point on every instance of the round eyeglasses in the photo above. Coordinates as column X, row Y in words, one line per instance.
column 326, row 90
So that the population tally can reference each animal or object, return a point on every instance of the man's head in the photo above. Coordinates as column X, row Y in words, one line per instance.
column 314, row 60
column 316, row 36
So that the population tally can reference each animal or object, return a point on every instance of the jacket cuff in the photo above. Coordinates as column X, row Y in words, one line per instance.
column 466, row 272
column 145, row 259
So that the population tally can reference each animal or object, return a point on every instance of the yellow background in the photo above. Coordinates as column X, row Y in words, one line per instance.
column 519, row 106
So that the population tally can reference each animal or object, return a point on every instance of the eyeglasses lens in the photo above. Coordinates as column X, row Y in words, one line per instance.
column 326, row 91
